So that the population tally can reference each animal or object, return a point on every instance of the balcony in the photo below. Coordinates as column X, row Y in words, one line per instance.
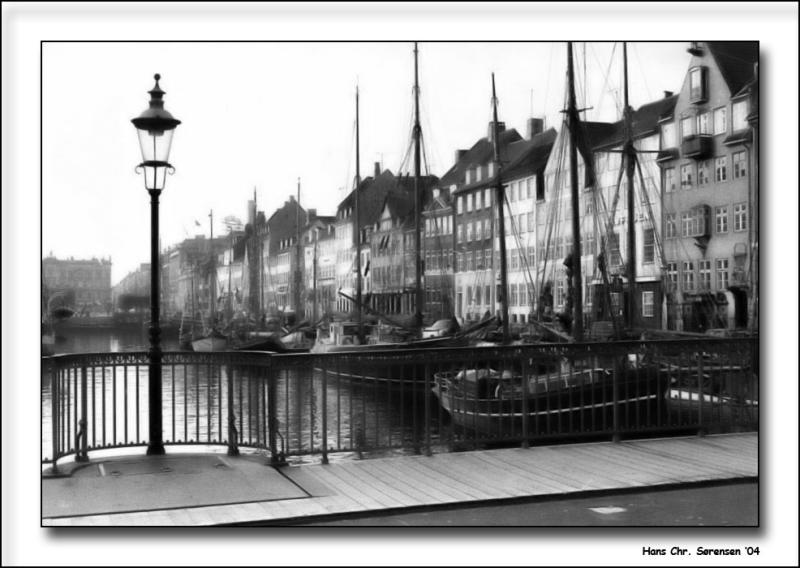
column 697, row 146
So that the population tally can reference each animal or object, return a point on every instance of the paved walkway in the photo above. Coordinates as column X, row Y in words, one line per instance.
column 213, row 489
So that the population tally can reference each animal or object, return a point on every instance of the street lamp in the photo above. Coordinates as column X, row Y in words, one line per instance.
column 155, row 127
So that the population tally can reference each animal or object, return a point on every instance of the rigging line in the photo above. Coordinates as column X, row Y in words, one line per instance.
column 656, row 236
column 522, row 258
column 606, row 76
column 641, row 71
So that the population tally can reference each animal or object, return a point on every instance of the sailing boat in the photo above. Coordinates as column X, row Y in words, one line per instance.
column 349, row 335
column 488, row 400
column 212, row 339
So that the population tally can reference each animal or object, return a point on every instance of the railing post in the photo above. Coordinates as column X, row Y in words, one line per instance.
column 233, row 433
column 82, row 454
column 324, row 413
column 55, row 413
column 700, row 427
column 272, row 417
column 427, row 408
column 525, row 417
column 619, row 369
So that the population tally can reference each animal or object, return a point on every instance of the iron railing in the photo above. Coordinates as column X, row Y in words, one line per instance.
column 419, row 401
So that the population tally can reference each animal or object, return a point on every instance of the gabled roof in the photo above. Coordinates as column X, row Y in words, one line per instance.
column 398, row 191
column 735, row 60
column 531, row 155
column 283, row 223
column 481, row 153
column 644, row 122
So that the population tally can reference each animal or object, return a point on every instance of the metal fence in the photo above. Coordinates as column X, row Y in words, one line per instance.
column 418, row 401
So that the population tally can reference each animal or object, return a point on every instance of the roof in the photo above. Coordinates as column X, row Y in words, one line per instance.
column 735, row 60
column 531, row 155
column 282, row 224
column 480, row 153
column 398, row 191
column 644, row 122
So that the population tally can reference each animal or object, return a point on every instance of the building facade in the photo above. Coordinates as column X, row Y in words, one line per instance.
column 710, row 190
column 82, row 285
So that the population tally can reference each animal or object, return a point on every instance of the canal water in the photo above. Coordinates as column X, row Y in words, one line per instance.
column 360, row 421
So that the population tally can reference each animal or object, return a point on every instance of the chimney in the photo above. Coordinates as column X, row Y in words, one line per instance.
column 251, row 212
column 668, row 94
column 460, row 154
column 535, row 126
column 501, row 126
column 377, row 169
column 312, row 213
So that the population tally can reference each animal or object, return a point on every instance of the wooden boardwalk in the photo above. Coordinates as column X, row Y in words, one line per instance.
column 391, row 484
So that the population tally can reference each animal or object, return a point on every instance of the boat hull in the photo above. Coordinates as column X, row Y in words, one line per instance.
column 581, row 399
column 378, row 372
column 208, row 344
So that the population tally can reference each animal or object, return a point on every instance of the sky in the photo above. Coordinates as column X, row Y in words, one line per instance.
column 258, row 116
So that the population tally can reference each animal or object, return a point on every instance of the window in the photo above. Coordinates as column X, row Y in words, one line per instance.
column 702, row 172
column 487, row 197
column 721, row 217
column 669, row 180
column 740, row 109
column 739, row 165
column 529, row 190
column 477, row 173
column 540, row 187
column 648, row 304
column 721, row 168
column 670, row 231
column 460, row 201
column 487, row 229
column 470, row 200
column 704, row 123
column 705, row 275
column 697, row 84
column 649, row 244
column 672, row 272
column 686, row 176
column 531, row 222
column 478, row 201
column 460, row 233
column 613, row 250
column 722, row 273
column 687, row 126
column 740, row 217
column 667, row 135
column 694, row 222
column 469, row 231
column 720, row 121
column 688, row 276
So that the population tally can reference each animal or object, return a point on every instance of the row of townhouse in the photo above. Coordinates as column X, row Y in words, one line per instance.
column 695, row 214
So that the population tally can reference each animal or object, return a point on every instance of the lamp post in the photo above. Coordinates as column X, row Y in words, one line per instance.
column 155, row 127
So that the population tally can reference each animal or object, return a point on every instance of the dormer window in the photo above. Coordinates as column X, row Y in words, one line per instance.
column 740, row 110
column 667, row 135
column 491, row 169
column 697, row 85
column 469, row 176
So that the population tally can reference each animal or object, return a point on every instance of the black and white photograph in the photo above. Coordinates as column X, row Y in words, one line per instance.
column 302, row 284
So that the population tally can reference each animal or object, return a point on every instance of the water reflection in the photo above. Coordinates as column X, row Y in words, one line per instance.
column 196, row 400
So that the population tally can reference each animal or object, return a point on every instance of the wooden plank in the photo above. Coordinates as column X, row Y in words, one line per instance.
column 528, row 482
column 459, row 477
column 413, row 484
column 442, row 482
column 350, row 474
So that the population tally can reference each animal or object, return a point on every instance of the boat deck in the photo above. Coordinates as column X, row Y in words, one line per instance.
column 212, row 489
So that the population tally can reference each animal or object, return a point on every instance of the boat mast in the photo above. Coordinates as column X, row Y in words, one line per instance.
column 212, row 300
column 499, row 197
column 357, row 231
column 314, row 304
column 577, row 287
column 629, row 157
column 417, row 199
column 297, row 277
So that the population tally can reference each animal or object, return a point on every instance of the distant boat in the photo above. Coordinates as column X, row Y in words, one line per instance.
column 212, row 341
